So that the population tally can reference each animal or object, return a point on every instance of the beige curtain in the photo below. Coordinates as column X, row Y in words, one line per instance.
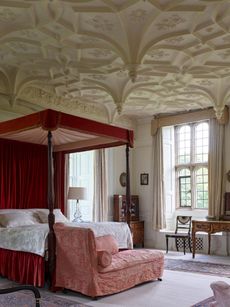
column 216, row 167
column 158, row 218
column 100, row 199
column 67, row 213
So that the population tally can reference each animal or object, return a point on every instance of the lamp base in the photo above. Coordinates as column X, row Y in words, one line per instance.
column 77, row 220
column 77, row 214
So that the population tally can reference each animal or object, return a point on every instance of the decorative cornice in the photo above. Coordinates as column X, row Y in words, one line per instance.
column 48, row 100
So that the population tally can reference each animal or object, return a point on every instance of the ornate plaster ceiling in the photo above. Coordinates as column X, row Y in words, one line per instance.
column 114, row 59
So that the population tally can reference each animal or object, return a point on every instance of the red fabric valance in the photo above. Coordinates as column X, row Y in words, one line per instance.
column 66, row 129
column 21, row 267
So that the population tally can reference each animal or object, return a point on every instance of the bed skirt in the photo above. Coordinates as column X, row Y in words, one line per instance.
column 22, row 267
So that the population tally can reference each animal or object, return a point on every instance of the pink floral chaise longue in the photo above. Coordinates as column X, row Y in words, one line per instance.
column 95, row 266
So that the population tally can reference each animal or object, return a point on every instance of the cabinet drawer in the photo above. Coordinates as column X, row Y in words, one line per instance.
column 202, row 227
column 216, row 228
column 137, row 225
column 226, row 228
column 137, row 229
column 138, row 237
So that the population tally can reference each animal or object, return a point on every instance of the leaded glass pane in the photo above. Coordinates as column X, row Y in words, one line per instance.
column 201, row 188
column 201, row 142
column 185, row 188
column 184, row 147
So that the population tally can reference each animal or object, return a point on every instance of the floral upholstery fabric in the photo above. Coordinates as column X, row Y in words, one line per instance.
column 104, row 258
column 131, row 258
column 221, row 291
column 107, row 243
column 77, row 264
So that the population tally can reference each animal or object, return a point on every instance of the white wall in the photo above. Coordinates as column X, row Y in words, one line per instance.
column 140, row 162
column 116, row 166
column 143, row 164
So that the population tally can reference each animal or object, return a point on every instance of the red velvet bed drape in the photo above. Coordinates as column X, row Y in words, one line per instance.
column 23, row 175
column 23, row 184
column 59, row 180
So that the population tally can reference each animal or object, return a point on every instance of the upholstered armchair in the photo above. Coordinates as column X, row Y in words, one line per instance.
column 95, row 266
column 221, row 291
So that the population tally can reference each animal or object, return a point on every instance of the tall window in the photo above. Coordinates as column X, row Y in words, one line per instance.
column 81, row 175
column 191, row 165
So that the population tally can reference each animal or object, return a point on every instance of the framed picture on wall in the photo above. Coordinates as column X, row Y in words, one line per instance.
column 144, row 178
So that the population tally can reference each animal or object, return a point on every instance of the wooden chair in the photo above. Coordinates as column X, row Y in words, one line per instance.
column 24, row 287
column 182, row 232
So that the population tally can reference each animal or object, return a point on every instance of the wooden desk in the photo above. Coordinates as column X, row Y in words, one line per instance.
column 209, row 227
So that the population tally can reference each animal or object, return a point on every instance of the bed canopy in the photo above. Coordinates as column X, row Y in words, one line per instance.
column 69, row 132
column 66, row 133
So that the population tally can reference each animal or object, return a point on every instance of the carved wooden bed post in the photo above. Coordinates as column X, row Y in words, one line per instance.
column 128, row 196
column 51, row 217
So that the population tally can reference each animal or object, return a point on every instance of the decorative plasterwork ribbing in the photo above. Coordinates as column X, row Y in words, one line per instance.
column 116, row 59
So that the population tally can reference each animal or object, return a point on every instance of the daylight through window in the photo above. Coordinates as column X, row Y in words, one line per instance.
column 191, row 165
column 81, row 175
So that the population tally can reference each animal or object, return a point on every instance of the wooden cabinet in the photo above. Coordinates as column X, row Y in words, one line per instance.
column 137, row 229
column 136, row 226
column 119, row 207
column 226, row 216
column 227, row 203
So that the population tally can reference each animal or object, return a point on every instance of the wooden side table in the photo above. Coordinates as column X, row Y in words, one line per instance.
column 137, row 229
column 210, row 227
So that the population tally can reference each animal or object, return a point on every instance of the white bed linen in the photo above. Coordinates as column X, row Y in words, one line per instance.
column 119, row 230
column 30, row 238
column 33, row 238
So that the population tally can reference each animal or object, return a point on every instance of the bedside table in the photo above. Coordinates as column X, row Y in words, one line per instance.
column 137, row 229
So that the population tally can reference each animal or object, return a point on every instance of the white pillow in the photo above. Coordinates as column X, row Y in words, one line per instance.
column 59, row 217
column 29, row 211
column 16, row 218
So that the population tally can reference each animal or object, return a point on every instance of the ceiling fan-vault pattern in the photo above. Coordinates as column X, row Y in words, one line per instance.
column 115, row 60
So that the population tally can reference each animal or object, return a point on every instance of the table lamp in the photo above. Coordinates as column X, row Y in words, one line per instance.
column 77, row 193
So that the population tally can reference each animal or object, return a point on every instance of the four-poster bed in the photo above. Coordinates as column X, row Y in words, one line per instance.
column 58, row 133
